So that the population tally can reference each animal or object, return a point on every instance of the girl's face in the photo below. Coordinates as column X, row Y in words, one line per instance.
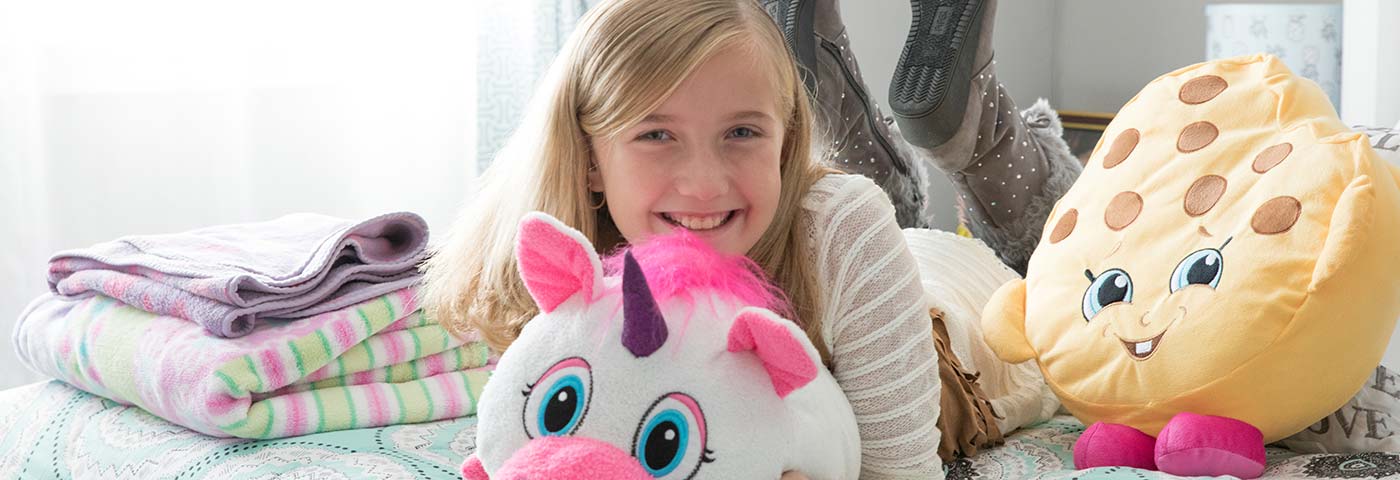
column 706, row 160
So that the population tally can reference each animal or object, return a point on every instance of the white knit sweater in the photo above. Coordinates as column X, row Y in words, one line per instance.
column 878, row 284
column 876, row 324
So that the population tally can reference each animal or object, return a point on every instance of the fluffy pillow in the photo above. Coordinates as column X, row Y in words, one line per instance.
column 959, row 274
column 670, row 366
column 1230, row 250
column 1370, row 421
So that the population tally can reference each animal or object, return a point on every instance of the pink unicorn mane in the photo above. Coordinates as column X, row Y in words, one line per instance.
column 678, row 263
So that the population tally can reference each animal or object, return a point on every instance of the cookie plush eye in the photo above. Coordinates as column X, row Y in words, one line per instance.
column 556, row 404
column 1202, row 267
column 1110, row 287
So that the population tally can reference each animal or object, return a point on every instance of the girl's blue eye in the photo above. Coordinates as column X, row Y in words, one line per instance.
column 1108, row 288
column 655, row 136
column 1202, row 267
column 743, row 132
column 663, row 443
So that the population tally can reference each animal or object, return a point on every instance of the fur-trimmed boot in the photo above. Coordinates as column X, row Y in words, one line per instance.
column 1007, row 168
column 855, row 134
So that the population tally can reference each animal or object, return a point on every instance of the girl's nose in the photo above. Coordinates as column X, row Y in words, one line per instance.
column 704, row 177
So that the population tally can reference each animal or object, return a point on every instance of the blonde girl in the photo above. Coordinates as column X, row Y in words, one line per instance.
column 691, row 113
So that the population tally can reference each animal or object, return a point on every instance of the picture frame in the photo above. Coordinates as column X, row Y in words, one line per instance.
column 1083, row 130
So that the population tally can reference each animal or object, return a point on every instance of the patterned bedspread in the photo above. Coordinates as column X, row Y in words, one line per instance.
column 49, row 430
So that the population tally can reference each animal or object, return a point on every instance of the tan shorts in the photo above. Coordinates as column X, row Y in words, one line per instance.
column 966, row 419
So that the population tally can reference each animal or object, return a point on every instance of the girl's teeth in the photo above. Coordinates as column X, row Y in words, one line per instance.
column 698, row 222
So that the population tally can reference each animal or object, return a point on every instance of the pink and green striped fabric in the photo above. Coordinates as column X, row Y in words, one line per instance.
column 377, row 363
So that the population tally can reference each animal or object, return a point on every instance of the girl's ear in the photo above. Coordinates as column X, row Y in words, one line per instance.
column 595, row 179
column 556, row 261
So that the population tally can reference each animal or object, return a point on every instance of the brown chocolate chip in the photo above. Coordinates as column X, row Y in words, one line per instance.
column 1196, row 136
column 1201, row 89
column 1122, row 210
column 1203, row 194
column 1276, row 215
column 1122, row 146
column 1065, row 226
column 1271, row 157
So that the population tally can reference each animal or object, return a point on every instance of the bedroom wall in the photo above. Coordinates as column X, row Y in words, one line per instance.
column 1106, row 50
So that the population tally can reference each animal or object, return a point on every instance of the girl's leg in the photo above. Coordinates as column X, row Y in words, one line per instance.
column 1008, row 168
column 849, row 122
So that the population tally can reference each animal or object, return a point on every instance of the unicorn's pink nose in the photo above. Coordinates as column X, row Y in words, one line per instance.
column 570, row 458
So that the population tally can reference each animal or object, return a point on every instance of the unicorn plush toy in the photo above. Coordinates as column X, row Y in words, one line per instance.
column 675, row 365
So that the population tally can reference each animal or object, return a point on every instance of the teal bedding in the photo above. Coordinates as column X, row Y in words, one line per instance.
column 52, row 431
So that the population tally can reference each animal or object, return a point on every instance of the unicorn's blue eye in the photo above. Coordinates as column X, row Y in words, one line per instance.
column 663, row 441
column 1108, row 288
column 557, row 403
column 1202, row 267
column 670, row 439
column 562, row 407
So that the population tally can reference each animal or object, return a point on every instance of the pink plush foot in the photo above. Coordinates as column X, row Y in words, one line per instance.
column 473, row 470
column 1192, row 445
column 1113, row 445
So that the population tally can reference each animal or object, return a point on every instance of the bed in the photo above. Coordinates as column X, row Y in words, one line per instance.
column 50, row 430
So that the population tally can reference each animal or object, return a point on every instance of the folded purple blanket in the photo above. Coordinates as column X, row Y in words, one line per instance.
column 227, row 277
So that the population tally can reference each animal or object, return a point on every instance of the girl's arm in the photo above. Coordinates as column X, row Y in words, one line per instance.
column 877, row 327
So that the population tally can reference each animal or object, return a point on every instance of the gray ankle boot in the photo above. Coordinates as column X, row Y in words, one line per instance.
column 1007, row 170
column 849, row 123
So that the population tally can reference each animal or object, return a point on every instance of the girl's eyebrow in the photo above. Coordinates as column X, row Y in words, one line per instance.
column 750, row 115
column 657, row 118
column 744, row 115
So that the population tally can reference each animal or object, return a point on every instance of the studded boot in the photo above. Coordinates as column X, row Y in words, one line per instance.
column 1008, row 167
column 848, row 120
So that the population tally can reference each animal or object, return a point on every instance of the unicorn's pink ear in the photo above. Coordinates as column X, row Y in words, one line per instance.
column 556, row 261
column 787, row 355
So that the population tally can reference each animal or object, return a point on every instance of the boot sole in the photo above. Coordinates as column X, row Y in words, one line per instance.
column 928, row 91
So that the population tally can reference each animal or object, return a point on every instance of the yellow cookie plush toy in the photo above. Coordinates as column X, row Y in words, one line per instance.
column 1225, row 272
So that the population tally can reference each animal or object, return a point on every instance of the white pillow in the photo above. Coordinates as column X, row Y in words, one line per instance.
column 1369, row 422
column 959, row 275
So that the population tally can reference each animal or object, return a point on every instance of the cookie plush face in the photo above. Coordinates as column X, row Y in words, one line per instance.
column 1196, row 235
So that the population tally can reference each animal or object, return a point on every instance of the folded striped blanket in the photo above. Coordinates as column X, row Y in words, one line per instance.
column 230, row 277
column 380, row 362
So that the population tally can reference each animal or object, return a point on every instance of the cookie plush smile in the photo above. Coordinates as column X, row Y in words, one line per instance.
column 1142, row 349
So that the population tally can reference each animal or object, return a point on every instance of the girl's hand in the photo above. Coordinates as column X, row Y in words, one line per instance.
column 793, row 475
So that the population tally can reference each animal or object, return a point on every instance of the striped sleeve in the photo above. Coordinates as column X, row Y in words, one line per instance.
column 877, row 327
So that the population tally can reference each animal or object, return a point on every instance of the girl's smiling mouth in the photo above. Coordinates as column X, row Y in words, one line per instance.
column 699, row 222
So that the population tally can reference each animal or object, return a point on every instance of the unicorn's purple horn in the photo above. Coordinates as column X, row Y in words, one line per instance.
column 643, row 327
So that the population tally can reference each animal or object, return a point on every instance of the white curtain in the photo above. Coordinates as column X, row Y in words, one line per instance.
column 137, row 117
column 516, row 47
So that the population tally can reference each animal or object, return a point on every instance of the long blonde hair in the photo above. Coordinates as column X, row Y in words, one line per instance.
column 622, row 62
